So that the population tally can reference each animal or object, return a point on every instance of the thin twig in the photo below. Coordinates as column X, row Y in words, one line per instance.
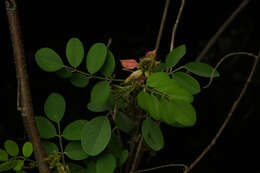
column 138, row 151
column 234, row 106
column 174, row 29
column 222, row 28
column 220, row 62
column 167, row 2
column 24, row 94
column 163, row 166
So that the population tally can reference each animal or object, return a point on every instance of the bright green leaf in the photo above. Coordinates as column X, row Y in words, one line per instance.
column 106, row 163
column 64, row 73
column 201, row 69
column 187, row 82
column 175, row 56
column 6, row 166
column 153, row 107
column 75, row 152
column 152, row 134
column 109, row 65
column 123, row 157
column 114, row 146
column 73, row 130
column 19, row 165
column 3, row 155
column 11, row 147
column 95, row 135
column 184, row 113
column 155, row 79
column 96, row 57
column 74, row 52
column 79, row 80
column 54, row 107
column 49, row 147
column 46, row 129
column 166, row 111
column 123, row 122
column 100, row 93
column 27, row 149
column 48, row 60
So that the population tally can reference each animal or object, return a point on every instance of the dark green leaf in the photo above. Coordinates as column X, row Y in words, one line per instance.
column 91, row 167
column 109, row 65
column 79, row 80
column 175, row 56
column 114, row 146
column 75, row 168
column 96, row 57
column 96, row 135
column 73, row 130
column 143, row 99
column 166, row 111
column 201, row 69
column 100, row 93
column 155, row 79
column 64, row 73
column 19, row 165
column 75, row 152
column 153, row 107
column 159, row 68
column 102, row 107
column 106, row 163
column 187, row 82
column 123, row 157
column 152, row 134
column 3, row 155
column 46, row 128
column 48, row 60
column 74, row 52
column 123, row 122
column 11, row 147
column 6, row 166
column 49, row 147
column 27, row 149
column 54, row 107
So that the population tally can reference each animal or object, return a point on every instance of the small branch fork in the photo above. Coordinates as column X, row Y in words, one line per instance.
column 24, row 101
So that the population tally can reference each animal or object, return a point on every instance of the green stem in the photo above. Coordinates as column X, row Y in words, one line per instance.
column 60, row 143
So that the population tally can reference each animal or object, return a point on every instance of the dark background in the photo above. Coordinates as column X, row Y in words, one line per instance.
column 133, row 26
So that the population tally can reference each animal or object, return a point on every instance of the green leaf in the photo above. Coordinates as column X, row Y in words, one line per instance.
column 123, row 157
column 152, row 134
column 6, row 166
column 102, row 107
column 11, row 147
column 75, row 152
column 54, row 107
column 114, row 146
column 100, row 93
column 74, row 52
column 201, row 69
column 123, row 122
column 64, row 73
column 95, row 135
column 187, row 82
column 19, row 165
column 75, row 168
column 155, row 79
column 153, row 107
column 184, row 113
column 91, row 167
column 159, row 68
column 73, row 130
column 166, row 112
column 27, row 149
column 3, row 155
column 175, row 56
column 96, row 57
column 49, row 147
column 48, row 60
column 106, row 163
column 46, row 129
column 79, row 80
column 109, row 65
column 143, row 99
column 172, row 89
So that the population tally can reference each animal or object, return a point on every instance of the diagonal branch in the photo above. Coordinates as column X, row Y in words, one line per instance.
column 23, row 90
column 222, row 28
column 233, row 108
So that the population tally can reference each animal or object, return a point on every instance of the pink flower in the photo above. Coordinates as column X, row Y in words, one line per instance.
column 129, row 63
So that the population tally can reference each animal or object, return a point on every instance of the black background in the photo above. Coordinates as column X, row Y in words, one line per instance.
column 133, row 26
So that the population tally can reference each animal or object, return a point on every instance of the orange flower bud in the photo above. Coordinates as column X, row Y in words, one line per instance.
column 135, row 75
